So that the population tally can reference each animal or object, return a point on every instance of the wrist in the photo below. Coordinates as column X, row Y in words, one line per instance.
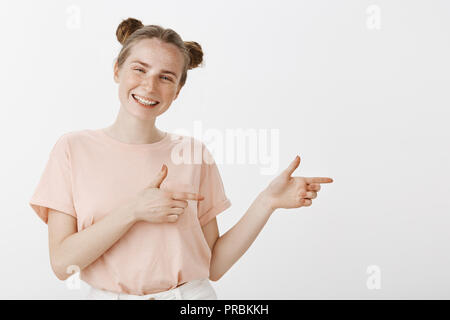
column 267, row 201
column 128, row 213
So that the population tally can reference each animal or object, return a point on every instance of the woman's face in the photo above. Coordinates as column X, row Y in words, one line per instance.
column 150, row 73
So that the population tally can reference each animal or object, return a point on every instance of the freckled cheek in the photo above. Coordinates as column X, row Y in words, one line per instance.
column 124, row 92
column 127, row 87
column 172, row 92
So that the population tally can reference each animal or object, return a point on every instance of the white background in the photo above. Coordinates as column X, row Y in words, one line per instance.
column 367, row 107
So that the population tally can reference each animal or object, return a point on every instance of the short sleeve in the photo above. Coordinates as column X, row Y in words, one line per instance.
column 54, row 189
column 211, row 187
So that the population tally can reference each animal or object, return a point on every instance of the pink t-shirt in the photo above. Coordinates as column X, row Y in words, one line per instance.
column 89, row 173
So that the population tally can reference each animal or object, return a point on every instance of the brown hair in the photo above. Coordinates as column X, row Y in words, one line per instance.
column 132, row 30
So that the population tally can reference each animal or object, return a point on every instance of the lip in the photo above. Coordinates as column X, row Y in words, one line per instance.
column 143, row 105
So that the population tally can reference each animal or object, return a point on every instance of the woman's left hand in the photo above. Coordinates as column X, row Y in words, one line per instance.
column 293, row 192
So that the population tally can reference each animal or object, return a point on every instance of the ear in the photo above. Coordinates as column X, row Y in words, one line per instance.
column 116, row 72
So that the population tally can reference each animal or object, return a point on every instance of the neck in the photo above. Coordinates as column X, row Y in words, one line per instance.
column 130, row 129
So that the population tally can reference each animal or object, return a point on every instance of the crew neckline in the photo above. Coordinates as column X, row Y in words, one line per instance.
column 114, row 141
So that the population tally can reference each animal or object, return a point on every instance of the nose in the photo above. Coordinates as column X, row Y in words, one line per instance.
column 149, row 83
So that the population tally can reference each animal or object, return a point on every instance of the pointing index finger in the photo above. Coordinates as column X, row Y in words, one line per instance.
column 318, row 180
column 187, row 196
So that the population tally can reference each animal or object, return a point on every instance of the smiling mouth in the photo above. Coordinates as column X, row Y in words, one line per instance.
column 144, row 102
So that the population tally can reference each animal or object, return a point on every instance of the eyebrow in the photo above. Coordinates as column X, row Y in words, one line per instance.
column 148, row 66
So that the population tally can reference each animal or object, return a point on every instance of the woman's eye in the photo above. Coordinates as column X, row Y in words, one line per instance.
column 143, row 71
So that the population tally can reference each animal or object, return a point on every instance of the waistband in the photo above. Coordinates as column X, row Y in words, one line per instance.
column 172, row 294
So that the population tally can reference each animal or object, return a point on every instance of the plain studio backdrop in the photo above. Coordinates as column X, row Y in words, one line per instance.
column 358, row 89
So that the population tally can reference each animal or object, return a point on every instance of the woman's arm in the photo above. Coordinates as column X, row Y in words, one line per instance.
column 234, row 243
column 283, row 192
column 71, row 248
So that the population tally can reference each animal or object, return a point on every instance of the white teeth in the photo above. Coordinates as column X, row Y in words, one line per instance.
column 146, row 102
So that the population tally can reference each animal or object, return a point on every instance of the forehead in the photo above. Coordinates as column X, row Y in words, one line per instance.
column 157, row 53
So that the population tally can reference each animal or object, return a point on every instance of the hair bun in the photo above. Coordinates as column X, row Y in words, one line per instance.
column 195, row 52
column 126, row 28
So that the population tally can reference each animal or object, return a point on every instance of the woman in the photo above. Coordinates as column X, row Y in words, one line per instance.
column 129, row 207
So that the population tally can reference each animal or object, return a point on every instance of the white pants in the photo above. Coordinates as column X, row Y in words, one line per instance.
column 193, row 290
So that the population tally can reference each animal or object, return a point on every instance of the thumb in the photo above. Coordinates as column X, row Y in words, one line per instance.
column 294, row 165
column 162, row 174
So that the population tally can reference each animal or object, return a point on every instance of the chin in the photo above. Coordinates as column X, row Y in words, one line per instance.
column 141, row 113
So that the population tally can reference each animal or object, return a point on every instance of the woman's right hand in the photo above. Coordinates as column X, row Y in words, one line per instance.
column 160, row 206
